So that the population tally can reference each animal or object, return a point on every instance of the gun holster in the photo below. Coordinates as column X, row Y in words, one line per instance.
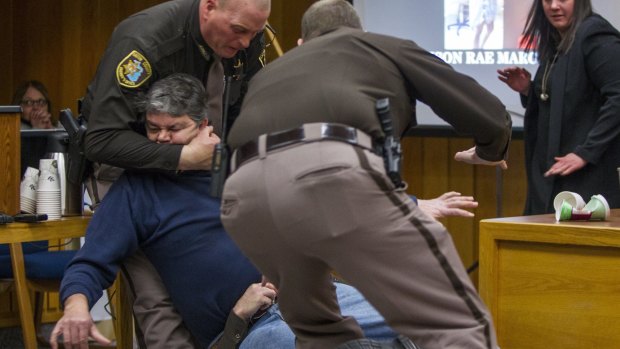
column 78, row 163
column 389, row 144
column 219, row 169
column 392, row 156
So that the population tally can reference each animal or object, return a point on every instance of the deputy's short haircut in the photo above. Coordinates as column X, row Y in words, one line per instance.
column 326, row 15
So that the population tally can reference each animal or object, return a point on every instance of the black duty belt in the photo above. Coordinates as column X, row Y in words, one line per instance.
column 307, row 133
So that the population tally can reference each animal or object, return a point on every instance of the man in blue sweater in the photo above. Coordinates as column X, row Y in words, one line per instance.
column 173, row 219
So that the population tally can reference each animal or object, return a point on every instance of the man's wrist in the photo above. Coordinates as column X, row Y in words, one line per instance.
column 242, row 313
column 76, row 302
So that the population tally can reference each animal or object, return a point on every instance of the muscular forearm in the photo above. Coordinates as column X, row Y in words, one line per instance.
column 129, row 149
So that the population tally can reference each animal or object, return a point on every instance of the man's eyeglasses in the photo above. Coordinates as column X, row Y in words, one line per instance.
column 38, row 102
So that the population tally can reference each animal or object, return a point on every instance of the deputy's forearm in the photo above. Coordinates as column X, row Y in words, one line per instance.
column 130, row 150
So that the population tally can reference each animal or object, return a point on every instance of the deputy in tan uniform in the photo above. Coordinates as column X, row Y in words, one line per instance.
column 309, row 193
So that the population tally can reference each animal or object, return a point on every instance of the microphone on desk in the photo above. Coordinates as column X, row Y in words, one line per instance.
column 5, row 218
column 30, row 217
column 22, row 217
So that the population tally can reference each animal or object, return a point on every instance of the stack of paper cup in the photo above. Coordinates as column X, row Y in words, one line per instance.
column 28, row 191
column 48, row 189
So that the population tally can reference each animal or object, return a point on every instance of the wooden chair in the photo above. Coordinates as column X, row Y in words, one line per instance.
column 37, row 271
column 28, row 283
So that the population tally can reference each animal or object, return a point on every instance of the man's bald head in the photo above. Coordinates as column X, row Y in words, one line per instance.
column 263, row 5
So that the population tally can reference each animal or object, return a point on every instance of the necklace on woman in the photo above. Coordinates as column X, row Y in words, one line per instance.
column 544, row 96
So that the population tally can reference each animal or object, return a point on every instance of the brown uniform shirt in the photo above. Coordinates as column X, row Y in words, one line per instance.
column 338, row 76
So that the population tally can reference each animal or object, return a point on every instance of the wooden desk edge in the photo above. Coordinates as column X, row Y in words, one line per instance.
column 582, row 233
column 68, row 227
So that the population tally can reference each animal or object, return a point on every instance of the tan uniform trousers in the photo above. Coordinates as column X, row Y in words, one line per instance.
column 301, row 211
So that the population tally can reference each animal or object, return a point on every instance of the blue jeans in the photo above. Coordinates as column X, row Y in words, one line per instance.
column 271, row 332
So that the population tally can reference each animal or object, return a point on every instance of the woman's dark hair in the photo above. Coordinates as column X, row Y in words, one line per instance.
column 18, row 96
column 541, row 36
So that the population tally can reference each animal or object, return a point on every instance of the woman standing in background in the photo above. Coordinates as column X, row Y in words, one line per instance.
column 34, row 99
column 572, row 117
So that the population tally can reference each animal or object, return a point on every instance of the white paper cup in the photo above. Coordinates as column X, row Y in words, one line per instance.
column 50, row 165
column 599, row 207
column 573, row 199
column 28, row 188
column 31, row 172
column 48, row 181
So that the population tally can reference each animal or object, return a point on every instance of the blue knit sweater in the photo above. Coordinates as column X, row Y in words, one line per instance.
column 175, row 221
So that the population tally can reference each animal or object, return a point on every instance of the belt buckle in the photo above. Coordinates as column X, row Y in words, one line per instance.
column 339, row 132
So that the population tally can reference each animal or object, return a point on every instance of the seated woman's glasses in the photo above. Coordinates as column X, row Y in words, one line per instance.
column 39, row 102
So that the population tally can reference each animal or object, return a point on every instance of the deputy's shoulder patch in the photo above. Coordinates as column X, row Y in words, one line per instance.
column 133, row 70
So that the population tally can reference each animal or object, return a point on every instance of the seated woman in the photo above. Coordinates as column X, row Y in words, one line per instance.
column 34, row 99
